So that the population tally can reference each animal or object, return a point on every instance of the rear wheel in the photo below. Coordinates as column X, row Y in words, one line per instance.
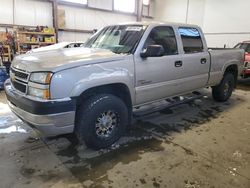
column 101, row 120
column 224, row 90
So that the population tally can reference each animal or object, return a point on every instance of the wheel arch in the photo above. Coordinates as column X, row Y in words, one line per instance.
column 119, row 90
column 233, row 69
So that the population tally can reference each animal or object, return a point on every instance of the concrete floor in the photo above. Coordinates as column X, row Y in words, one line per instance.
column 199, row 144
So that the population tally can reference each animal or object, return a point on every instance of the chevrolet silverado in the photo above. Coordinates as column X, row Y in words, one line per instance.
column 92, row 91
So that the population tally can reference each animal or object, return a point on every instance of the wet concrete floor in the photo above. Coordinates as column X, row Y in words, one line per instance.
column 199, row 144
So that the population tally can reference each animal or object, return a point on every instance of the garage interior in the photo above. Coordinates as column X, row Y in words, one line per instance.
column 201, row 143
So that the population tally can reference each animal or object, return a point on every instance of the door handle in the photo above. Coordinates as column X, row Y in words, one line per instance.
column 203, row 61
column 178, row 63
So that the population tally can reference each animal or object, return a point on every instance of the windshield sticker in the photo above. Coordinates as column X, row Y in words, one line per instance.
column 134, row 28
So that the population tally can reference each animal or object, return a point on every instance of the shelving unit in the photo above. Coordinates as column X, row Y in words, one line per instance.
column 7, row 53
column 27, row 40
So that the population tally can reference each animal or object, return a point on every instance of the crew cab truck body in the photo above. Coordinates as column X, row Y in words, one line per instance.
column 92, row 91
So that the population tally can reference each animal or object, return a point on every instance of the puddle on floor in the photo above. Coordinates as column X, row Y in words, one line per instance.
column 9, row 123
column 12, row 129
column 4, row 108
column 9, row 119
column 94, row 168
column 86, row 164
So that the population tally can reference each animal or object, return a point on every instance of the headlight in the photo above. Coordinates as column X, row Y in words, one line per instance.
column 41, row 93
column 39, row 84
column 41, row 77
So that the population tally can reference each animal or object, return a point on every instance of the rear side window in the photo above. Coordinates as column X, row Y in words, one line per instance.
column 191, row 40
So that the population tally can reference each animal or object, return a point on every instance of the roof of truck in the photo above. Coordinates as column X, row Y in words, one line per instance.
column 155, row 23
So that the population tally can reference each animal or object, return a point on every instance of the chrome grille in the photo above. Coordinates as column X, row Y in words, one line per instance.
column 19, row 79
column 19, row 86
column 21, row 75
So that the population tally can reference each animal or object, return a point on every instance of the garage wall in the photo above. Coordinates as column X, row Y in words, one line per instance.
column 87, row 19
column 6, row 9
column 171, row 10
column 26, row 12
column 39, row 12
column 225, row 22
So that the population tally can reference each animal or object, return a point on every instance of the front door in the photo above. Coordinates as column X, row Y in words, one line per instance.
column 158, row 77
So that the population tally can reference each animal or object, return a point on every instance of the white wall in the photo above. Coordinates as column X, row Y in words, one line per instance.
column 25, row 12
column 171, row 10
column 6, row 12
column 225, row 22
column 107, row 4
column 87, row 19
column 33, row 12
column 72, row 36
column 196, row 10
column 39, row 12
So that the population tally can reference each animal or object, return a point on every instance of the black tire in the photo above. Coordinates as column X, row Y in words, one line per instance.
column 223, row 91
column 95, row 118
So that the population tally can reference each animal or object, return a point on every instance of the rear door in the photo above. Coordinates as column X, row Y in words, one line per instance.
column 195, row 59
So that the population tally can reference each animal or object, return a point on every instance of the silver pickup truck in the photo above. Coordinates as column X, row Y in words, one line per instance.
column 93, row 90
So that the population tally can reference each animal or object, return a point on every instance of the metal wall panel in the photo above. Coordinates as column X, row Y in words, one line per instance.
column 6, row 9
column 70, row 36
column 226, row 22
column 226, row 16
column 102, row 4
column 33, row 12
column 171, row 10
column 87, row 19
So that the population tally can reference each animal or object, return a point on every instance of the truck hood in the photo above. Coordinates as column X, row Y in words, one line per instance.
column 57, row 60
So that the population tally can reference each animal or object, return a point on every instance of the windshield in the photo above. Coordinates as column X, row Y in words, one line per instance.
column 244, row 46
column 118, row 39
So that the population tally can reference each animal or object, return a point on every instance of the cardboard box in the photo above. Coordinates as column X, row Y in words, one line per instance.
column 49, row 30
column 3, row 36
column 22, row 38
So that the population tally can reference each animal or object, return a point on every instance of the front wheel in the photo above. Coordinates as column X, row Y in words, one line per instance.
column 223, row 91
column 101, row 120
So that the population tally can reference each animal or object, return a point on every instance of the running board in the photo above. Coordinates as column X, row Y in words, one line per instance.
column 165, row 104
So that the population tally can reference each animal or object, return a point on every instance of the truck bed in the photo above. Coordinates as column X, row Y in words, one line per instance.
column 220, row 59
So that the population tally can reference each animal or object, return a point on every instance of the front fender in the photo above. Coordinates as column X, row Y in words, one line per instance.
column 101, row 79
column 73, row 82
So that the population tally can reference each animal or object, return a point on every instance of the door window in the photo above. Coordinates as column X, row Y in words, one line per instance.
column 191, row 40
column 164, row 36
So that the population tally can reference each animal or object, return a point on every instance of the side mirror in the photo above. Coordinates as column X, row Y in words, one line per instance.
column 153, row 51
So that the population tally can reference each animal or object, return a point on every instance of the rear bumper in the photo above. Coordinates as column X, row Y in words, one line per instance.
column 52, row 117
